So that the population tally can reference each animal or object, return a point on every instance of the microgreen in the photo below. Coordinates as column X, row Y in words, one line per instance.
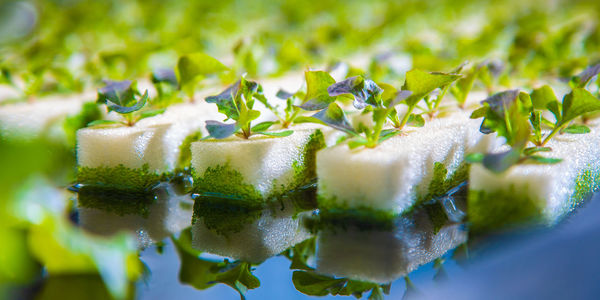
column 237, row 102
column 315, row 98
column 519, row 117
column 193, row 68
column 124, row 98
column 165, row 82
column 581, row 80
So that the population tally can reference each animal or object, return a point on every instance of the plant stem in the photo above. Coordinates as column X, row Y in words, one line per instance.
column 552, row 134
column 405, row 118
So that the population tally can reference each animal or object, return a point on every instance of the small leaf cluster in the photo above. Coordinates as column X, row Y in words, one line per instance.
column 309, row 282
column 166, row 84
column 124, row 98
column 521, row 119
column 237, row 102
column 315, row 98
column 380, row 101
column 203, row 273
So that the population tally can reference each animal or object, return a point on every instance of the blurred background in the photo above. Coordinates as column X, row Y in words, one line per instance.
column 67, row 47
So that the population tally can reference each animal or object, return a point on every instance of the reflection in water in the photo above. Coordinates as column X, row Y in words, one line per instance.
column 385, row 255
column 167, row 213
column 252, row 234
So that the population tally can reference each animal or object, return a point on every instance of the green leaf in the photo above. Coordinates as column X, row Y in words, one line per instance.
column 463, row 86
column 151, row 113
column 479, row 113
column 421, row 83
column 313, row 284
column 507, row 116
column 584, row 77
column 543, row 160
column 542, row 96
column 263, row 126
column 164, row 75
column 576, row 103
column 532, row 150
column 474, row 158
column 220, row 130
column 301, row 253
column 577, row 129
column 117, row 92
column 226, row 101
column 196, row 66
column 276, row 133
column 335, row 117
column 317, row 96
column 103, row 122
column 416, row 120
column 365, row 91
column 129, row 109
column 536, row 123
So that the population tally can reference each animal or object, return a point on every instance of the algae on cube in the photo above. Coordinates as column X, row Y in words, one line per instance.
column 258, row 168
column 536, row 193
column 397, row 174
column 137, row 157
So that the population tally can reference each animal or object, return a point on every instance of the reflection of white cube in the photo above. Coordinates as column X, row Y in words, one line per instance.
column 397, row 173
column 272, row 231
column 257, row 168
column 155, row 141
column 537, row 193
column 384, row 256
column 168, row 214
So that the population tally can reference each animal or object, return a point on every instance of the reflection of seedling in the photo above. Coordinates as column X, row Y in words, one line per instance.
column 124, row 98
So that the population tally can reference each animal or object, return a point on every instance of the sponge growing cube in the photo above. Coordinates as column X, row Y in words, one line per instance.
column 258, row 168
column 144, row 152
column 537, row 193
column 402, row 171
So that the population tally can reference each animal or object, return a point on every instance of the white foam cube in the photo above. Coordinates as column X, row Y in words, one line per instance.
column 396, row 173
column 548, row 190
column 268, row 164
column 154, row 141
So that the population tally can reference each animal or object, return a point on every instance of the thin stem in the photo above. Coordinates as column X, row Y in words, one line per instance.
column 554, row 131
column 405, row 118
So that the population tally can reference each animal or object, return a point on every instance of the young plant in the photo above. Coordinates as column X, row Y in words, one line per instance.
column 165, row 83
column 237, row 102
column 124, row 98
column 518, row 117
column 195, row 67
column 463, row 86
column 315, row 98
column 367, row 96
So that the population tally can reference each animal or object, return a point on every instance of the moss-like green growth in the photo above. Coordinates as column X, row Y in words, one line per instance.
column 502, row 209
column 335, row 213
column 122, row 201
column 225, row 215
column 185, row 153
column 120, row 177
column 225, row 181
column 118, row 189
column 505, row 209
column 305, row 170
column 441, row 183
